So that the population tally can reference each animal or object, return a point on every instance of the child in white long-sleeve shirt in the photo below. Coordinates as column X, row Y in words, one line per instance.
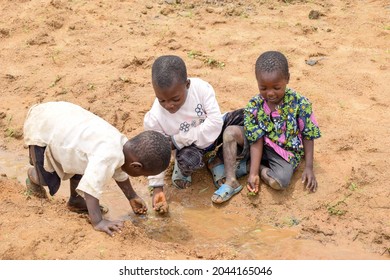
column 186, row 111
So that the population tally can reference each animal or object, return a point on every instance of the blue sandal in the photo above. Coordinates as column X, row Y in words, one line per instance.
column 225, row 192
column 218, row 171
column 242, row 169
column 177, row 175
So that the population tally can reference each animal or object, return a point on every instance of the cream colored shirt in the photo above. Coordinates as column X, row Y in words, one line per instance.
column 77, row 142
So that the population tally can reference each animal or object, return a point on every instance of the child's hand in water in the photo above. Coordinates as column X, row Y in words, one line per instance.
column 138, row 205
column 159, row 201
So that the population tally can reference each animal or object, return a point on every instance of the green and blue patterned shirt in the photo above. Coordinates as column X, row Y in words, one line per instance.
column 283, row 129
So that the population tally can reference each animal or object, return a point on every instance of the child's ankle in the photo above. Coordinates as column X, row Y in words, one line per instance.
column 77, row 201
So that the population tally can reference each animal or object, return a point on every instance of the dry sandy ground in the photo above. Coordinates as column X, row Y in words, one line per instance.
column 98, row 54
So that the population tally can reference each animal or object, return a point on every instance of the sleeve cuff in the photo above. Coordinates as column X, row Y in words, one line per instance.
column 156, row 182
column 174, row 143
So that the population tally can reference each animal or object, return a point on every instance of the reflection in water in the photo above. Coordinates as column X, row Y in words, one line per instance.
column 14, row 166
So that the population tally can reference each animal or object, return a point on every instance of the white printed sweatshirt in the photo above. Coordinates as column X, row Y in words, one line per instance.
column 199, row 121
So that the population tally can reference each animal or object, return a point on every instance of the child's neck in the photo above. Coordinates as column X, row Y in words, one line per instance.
column 272, row 106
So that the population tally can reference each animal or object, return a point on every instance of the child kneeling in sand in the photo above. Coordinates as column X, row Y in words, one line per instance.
column 68, row 142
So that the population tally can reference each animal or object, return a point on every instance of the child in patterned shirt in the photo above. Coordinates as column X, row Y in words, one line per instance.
column 280, row 126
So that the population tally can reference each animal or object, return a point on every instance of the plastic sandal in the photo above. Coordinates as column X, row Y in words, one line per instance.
column 177, row 175
column 242, row 169
column 218, row 172
column 225, row 192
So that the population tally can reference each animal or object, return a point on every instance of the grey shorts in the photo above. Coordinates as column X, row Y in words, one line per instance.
column 280, row 169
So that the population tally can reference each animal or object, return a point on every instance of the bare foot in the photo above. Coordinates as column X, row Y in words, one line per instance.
column 32, row 186
column 182, row 184
column 35, row 190
column 77, row 204
column 226, row 192
column 269, row 180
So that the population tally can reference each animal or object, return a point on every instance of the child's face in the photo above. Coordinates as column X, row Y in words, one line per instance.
column 172, row 98
column 272, row 86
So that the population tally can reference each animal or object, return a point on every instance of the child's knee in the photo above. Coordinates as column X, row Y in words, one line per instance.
column 282, row 184
column 189, row 160
column 232, row 134
column 282, row 179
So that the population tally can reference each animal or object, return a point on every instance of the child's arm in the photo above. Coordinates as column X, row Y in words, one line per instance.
column 207, row 132
column 136, row 203
column 309, row 128
column 98, row 170
column 308, row 176
column 255, row 134
column 256, row 152
column 95, row 216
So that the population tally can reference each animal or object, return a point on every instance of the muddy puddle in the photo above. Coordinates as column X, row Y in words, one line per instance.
column 205, row 225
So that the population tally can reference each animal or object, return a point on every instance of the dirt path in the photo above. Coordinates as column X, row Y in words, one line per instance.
column 99, row 55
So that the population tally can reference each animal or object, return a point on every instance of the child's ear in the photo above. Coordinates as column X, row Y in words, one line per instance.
column 188, row 83
column 136, row 165
column 288, row 78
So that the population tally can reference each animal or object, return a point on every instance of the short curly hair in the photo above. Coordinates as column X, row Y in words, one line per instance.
column 152, row 149
column 271, row 61
column 168, row 69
